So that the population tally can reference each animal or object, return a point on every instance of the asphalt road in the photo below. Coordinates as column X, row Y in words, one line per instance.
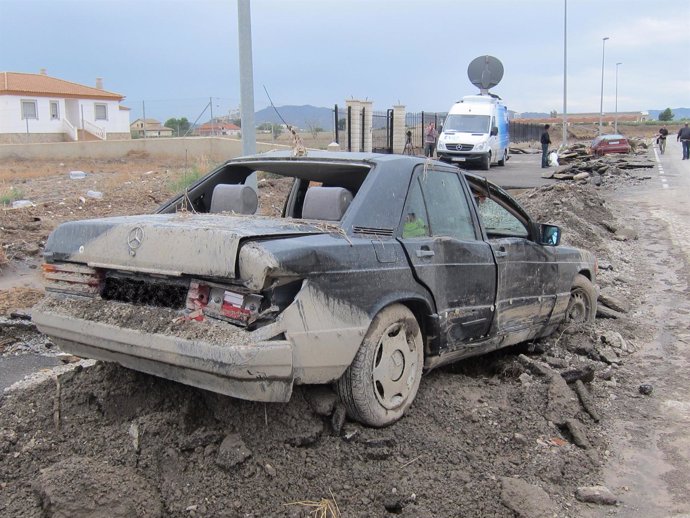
column 520, row 172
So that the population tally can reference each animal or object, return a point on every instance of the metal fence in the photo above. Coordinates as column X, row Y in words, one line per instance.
column 524, row 131
column 415, row 123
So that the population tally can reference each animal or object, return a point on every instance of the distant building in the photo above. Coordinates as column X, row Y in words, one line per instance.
column 40, row 108
column 220, row 127
column 149, row 128
column 587, row 118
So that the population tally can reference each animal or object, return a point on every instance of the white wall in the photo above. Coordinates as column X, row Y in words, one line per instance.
column 11, row 115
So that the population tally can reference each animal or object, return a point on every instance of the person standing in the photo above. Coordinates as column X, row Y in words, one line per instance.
column 545, row 141
column 661, row 139
column 684, row 138
column 430, row 140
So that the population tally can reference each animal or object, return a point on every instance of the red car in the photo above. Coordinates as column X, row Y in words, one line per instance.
column 605, row 144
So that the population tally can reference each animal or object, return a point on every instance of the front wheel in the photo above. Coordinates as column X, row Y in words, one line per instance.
column 582, row 306
column 502, row 161
column 485, row 162
column 382, row 380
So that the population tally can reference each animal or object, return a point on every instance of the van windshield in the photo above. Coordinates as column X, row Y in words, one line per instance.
column 467, row 123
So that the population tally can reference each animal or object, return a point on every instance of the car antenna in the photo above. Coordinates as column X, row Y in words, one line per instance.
column 298, row 148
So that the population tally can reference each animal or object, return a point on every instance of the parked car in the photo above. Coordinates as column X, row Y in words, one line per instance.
column 605, row 144
column 380, row 267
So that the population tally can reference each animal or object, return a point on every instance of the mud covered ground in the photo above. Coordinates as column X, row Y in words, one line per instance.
column 505, row 435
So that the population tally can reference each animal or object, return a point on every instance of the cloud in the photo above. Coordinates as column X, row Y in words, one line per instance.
column 642, row 32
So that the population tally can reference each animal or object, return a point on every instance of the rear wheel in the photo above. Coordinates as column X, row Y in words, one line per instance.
column 383, row 379
column 485, row 162
column 582, row 306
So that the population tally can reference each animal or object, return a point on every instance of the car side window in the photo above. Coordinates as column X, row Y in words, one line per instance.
column 447, row 205
column 497, row 220
column 415, row 223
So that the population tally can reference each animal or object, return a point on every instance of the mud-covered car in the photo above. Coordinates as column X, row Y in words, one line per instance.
column 380, row 267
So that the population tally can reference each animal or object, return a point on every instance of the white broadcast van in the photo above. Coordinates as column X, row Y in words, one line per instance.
column 475, row 132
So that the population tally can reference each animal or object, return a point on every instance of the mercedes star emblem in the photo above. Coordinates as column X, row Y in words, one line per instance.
column 134, row 239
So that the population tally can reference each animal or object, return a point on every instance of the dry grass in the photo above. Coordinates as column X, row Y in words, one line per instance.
column 324, row 508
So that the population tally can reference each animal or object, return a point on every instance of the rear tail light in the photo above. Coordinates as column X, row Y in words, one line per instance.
column 71, row 278
column 219, row 302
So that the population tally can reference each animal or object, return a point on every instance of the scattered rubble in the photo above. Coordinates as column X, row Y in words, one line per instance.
column 596, row 495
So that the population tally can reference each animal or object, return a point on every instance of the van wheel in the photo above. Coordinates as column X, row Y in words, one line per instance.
column 502, row 161
column 582, row 306
column 485, row 163
column 382, row 381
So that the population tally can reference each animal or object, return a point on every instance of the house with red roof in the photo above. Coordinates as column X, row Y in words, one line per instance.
column 40, row 108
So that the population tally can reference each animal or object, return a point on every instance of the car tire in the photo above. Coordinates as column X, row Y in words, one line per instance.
column 485, row 162
column 382, row 381
column 582, row 306
column 502, row 161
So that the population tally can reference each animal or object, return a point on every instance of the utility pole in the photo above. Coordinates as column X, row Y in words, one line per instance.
column 615, row 124
column 601, row 105
column 213, row 123
column 244, row 30
column 565, row 72
column 143, row 109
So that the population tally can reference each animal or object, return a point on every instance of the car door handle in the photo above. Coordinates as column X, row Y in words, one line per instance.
column 501, row 252
column 425, row 252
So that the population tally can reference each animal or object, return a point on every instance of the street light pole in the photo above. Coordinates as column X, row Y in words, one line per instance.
column 601, row 105
column 615, row 124
column 565, row 72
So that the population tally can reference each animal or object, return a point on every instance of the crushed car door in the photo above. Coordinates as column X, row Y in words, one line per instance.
column 443, row 243
column 525, row 296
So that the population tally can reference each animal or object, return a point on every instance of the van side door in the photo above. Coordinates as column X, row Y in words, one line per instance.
column 442, row 239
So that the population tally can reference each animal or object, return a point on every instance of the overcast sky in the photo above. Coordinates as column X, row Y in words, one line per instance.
column 175, row 54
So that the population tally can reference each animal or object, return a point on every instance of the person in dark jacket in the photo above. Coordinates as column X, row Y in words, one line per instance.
column 684, row 138
column 545, row 141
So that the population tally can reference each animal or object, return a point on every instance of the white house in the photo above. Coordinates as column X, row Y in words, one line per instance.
column 39, row 108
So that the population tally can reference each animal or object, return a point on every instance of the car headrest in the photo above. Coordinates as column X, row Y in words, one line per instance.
column 326, row 203
column 240, row 199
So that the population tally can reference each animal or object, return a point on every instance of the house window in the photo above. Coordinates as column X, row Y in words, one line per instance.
column 54, row 110
column 101, row 112
column 29, row 110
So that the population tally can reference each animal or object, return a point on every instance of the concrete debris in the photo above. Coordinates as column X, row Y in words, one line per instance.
column 606, row 312
column 585, row 374
column 586, row 400
column 596, row 495
column 232, row 452
column 526, row 500
column 579, row 165
column 616, row 341
column 578, row 433
column 608, row 298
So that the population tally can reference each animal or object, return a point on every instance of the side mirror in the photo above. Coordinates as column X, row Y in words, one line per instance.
column 549, row 235
column 494, row 131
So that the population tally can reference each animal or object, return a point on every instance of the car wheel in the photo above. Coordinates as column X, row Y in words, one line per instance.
column 582, row 306
column 502, row 161
column 383, row 379
column 485, row 162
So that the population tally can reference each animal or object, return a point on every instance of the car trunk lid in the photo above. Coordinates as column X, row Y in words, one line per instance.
column 166, row 244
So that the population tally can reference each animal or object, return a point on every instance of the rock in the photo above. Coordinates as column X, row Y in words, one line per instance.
column 608, row 355
column 321, row 399
column 596, row 179
column 595, row 495
column 232, row 452
column 562, row 401
column 563, row 176
column 536, row 367
column 520, row 439
column 578, row 433
column 135, row 435
column 81, row 487
column 586, row 400
column 646, row 389
column 605, row 312
column 608, row 299
column 616, row 341
column 606, row 374
column 200, row 438
column 525, row 379
column 525, row 500
column 609, row 226
column 581, row 176
column 338, row 418
column 547, row 174
column 625, row 234
column 270, row 470
column 349, row 432
column 585, row 373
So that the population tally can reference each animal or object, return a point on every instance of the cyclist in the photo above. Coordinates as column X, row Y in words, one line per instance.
column 661, row 139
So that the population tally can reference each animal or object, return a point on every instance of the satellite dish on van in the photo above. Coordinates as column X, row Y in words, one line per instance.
column 485, row 72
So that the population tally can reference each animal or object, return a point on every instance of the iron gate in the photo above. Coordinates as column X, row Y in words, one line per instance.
column 382, row 132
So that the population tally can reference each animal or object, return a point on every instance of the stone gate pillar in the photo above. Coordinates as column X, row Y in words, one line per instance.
column 399, row 128
column 367, row 106
column 353, row 125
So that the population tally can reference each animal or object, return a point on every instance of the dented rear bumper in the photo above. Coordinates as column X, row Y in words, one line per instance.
column 260, row 370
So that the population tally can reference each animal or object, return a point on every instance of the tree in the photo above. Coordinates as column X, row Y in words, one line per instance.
column 666, row 115
column 179, row 126
column 341, row 124
column 553, row 114
column 314, row 129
